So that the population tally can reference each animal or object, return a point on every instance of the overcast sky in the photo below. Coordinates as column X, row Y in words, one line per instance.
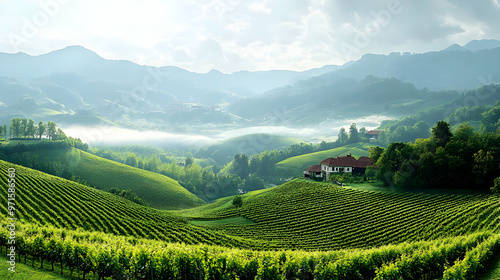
column 232, row 35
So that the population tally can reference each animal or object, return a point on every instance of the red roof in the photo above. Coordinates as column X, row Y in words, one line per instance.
column 373, row 132
column 314, row 168
column 348, row 160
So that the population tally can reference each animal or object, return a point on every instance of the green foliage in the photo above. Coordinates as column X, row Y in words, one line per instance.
column 253, row 183
column 353, row 134
column 342, row 137
column 65, row 204
column 240, row 166
column 304, row 214
column 467, row 160
column 441, row 133
column 237, row 201
column 128, row 194
column 496, row 187
column 99, row 255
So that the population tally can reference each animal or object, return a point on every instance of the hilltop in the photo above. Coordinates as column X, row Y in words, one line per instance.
column 294, row 166
column 157, row 190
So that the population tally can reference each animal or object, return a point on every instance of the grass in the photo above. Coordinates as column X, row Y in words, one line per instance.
column 294, row 166
column 157, row 190
column 25, row 271
column 233, row 221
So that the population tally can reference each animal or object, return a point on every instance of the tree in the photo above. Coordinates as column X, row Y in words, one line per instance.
column 15, row 127
column 496, row 187
column 41, row 129
column 5, row 133
column 254, row 164
column 375, row 153
column 441, row 133
column 51, row 130
column 362, row 132
column 153, row 163
column 131, row 160
column 265, row 165
column 188, row 161
column 237, row 201
column 484, row 166
column 343, row 137
column 253, row 183
column 30, row 128
column 59, row 135
column 353, row 134
column 23, row 127
column 240, row 166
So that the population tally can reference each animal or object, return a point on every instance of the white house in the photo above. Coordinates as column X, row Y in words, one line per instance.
column 344, row 164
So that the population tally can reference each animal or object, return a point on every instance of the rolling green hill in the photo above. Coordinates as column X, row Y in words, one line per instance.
column 334, row 232
column 294, row 166
column 157, row 190
column 46, row 199
column 304, row 214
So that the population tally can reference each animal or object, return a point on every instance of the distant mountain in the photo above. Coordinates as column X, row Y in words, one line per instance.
column 440, row 70
column 475, row 45
column 83, row 62
column 77, row 85
column 327, row 99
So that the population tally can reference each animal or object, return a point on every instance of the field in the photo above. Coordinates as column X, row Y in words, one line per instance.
column 47, row 199
column 294, row 166
column 299, row 230
column 308, row 215
column 157, row 190
column 101, row 255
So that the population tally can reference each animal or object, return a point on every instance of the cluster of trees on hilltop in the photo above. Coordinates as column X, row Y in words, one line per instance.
column 463, row 159
column 27, row 128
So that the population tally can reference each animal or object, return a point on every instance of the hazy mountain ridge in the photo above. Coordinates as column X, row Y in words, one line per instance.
column 76, row 79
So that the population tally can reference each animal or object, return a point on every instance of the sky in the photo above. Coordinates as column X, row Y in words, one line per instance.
column 234, row 35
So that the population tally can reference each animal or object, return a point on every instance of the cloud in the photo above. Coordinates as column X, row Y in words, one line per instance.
column 95, row 135
column 232, row 35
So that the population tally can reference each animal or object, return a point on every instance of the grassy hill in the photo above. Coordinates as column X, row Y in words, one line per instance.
column 304, row 214
column 335, row 233
column 157, row 190
column 46, row 199
column 294, row 166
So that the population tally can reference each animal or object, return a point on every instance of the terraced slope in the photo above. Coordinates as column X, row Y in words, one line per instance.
column 99, row 255
column 303, row 214
column 294, row 166
column 157, row 190
column 47, row 199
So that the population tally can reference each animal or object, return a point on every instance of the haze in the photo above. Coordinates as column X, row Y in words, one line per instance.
column 233, row 35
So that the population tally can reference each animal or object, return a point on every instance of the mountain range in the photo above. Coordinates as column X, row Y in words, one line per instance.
column 76, row 85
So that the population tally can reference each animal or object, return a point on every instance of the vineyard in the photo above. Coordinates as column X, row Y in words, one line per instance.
column 100, row 255
column 299, row 230
column 157, row 190
column 47, row 199
column 308, row 215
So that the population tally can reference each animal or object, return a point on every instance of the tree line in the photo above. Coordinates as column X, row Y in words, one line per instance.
column 26, row 128
column 458, row 160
